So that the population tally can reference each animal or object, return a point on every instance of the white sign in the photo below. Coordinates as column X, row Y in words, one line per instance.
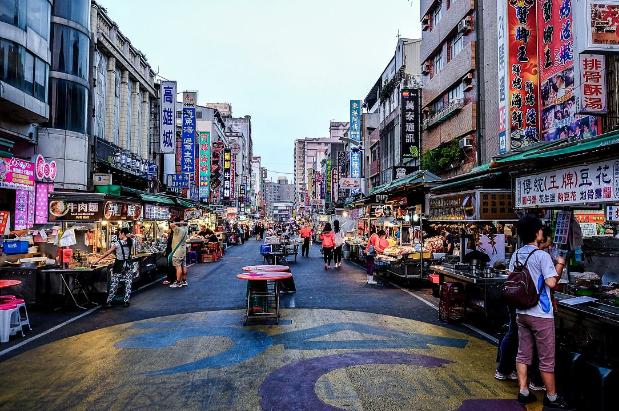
column 612, row 213
column 102, row 179
column 587, row 184
column 493, row 246
column 167, row 117
column 601, row 23
column 348, row 183
column 591, row 98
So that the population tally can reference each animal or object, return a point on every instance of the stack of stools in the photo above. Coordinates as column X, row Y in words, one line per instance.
column 13, row 317
column 451, row 305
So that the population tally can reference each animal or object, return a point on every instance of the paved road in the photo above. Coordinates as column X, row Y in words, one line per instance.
column 341, row 345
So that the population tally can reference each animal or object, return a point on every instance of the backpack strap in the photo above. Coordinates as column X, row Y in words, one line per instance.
column 529, row 256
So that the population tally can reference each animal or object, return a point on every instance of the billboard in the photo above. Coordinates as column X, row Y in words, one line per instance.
column 227, row 173
column 410, row 135
column 167, row 117
column 204, row 165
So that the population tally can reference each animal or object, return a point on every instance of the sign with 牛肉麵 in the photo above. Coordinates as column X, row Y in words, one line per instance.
column 587, row 184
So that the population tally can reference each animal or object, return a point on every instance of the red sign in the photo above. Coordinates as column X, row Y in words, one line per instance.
column 4, row 220
column 555, row 41
column 592, row 69
column 523, row 72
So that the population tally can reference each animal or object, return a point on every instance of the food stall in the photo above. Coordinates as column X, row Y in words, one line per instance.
column 580, row 202
column 479, row 222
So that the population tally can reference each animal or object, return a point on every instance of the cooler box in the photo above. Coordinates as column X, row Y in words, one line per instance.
column 15, row 247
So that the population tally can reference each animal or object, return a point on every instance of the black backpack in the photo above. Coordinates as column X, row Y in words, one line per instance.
column 519, row 290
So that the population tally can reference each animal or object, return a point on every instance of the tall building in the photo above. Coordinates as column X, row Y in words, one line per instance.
column 255, row 185
column 308, row 156
column 239, row 134
column 460, row 84
column 279, row 197
column 402, row 71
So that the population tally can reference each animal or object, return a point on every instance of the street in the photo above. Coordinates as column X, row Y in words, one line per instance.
column 341, row 344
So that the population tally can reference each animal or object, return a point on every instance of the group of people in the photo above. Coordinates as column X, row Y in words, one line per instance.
column 332, row 242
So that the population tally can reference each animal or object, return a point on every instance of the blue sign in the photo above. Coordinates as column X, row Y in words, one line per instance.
column 178, row 180
column 188, row 140
column 354, row 133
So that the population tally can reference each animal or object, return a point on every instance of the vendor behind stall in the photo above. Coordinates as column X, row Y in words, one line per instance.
column 121, row 271
column 376, row 244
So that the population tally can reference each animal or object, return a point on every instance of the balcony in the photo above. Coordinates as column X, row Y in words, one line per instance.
column 444, row 114
column 457, row 123
column 432, row 39
column 459, row 66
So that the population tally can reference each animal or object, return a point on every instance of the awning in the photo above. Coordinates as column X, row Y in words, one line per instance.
column 157, row 199
column 416, row 178
column 467, row 181
column 184, row 203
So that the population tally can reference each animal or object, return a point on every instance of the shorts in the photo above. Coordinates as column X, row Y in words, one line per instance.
column 538, row 331
column 179, row 261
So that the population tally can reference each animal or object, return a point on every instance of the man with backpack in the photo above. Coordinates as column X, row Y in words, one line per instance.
column 532, row 276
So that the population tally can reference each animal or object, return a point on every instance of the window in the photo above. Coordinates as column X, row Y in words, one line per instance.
column 13, row 12
column 437, row 15
column 456, row 45
column 68, row 105
column 438, row 105
column 438, row 63
column 41, row 73
column 456, row 93
column 23, row 70
column 73, row 10
column 29, row 72
column 70, row 51
column 38, row 17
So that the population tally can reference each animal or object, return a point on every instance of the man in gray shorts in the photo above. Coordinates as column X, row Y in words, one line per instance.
column 536, row 325
column 179, row 252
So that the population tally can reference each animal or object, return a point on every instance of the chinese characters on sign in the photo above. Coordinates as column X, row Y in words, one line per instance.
column 204, row 165
column 604, row 24
column 16, row 174
column 503, row 75
column 241, row 199
column 178, row 181
column 60, row 210
column 335, row 188
column 590, row 184
column 156, row 212
column 411, row 132
column 354, row 134
column 41, row 202
column 217, row 149
column 521, row 40
column 328, row 182
column 227, row 173
column 188, row 140
column 167, row 117
column 592, row 95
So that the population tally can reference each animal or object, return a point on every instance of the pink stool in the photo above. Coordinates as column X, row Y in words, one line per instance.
column 21, row 307
column 10, row 321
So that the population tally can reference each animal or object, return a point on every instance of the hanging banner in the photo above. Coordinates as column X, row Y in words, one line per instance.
column 587, row 184
column 591, row 96
column 521, row 39
column 204, row 165
column 227, row 173
column 504, row 76
column 188, row 133
column 167, row 117
column 42, row 202
column 410, row 135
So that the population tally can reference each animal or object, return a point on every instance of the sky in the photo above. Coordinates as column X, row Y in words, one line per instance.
column 292, row 65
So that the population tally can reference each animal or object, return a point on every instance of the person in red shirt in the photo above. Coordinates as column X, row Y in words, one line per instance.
column 306, row 235
column 376, row 244
column 328, row 244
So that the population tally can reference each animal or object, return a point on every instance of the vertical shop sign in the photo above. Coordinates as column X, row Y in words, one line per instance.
column 21, row 209
column 4, row 220
column 167, row 117
column 226, row 172
column 188, row 133
column 354, row 133
column 411, row 132
column 328, row 186
column 233, row 176
column 217, row 148
column 241, row 200
column 592, row 91
column 335, row 188
column 341, row 170
column 42, row 202
column 204, row 165
column 503, row 76
column 521, row 37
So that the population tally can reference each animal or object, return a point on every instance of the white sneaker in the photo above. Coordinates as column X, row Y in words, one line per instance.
column 176, row 285
column 184, row 283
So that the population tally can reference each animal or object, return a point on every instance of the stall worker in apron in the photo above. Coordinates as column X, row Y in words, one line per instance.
column 121, row 270
column 306, row 235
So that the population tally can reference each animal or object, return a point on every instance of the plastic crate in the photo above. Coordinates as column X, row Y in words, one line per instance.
column 265, row 249
column 15, row 247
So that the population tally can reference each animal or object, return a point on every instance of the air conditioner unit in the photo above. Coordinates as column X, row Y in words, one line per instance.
column 425, row 68
column 425, row 23
column 466, row 142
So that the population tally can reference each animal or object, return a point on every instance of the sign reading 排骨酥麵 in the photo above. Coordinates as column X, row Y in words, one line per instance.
column 595, row 183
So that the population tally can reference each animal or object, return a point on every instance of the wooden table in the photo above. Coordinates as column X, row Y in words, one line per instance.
column 263, row 287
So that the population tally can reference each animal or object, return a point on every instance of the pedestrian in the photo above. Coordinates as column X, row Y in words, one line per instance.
column 339, row 242
column 170, row 270
column 306, row 235
column 122, row 269
column 536, row 325
column 328, row 244
column 179, row 252
column 376, row 244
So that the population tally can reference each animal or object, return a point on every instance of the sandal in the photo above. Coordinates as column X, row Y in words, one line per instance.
column 165, row 282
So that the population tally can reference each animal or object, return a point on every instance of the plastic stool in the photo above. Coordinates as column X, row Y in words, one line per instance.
column 10, row 321
column 23, row 312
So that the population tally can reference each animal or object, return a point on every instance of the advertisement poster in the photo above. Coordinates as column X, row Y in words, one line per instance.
column 167, row 117
column 410, row 135
column 587, row 184
column 521, row 38
column 604, row 23
column 204, row 165
column 16, row 174
column 493, row 246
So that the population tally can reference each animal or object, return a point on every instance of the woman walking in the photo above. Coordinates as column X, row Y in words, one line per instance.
column 339, row 242
column 328, row 244
column 121, row 270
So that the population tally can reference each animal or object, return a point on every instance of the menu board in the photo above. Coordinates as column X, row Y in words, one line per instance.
column 65, row 210
column 156, row 212
column 562, row 229
column 496, row 205
column 460, row 206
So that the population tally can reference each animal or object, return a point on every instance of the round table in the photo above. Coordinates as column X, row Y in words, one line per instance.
column 9, row 283
column 267, row 268
column 263, row 289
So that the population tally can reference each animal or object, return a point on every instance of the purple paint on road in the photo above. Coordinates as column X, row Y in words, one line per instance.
column 291, row 387
column 491, row 405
